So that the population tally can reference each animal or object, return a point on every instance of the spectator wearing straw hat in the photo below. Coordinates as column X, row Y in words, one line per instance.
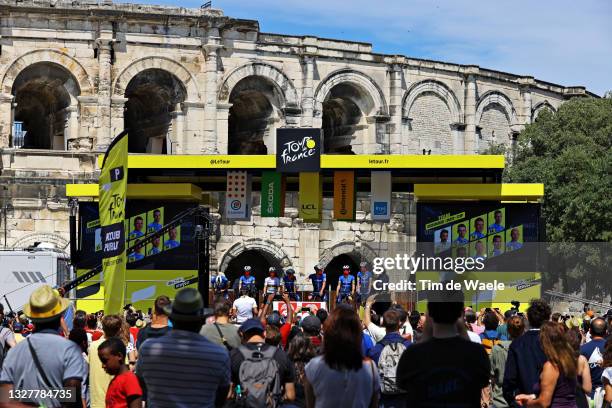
column 45, row 360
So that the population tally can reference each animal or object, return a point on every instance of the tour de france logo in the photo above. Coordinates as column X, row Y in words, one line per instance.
column 298, row 150
column 235, row 205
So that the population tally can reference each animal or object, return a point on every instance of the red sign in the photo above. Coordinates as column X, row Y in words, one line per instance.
column 298, row 306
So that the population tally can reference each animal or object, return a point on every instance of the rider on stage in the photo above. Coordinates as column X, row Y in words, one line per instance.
column 346, row 285
column 364, row 283
column 220, row 285
column 272, row 286
column 248, row 282
column 319, row 285
column 290, row 285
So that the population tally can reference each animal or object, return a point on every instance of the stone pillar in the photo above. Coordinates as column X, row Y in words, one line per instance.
column 89, row 124
column 469, row 145
column 193, row 142
column 104, row 43
column 308, row 248
column 211, row 49
column 222, row 127
column 6, row 119
column 308, row 62
column 395, row 108
column 174, row 142
column 71, row 130
column 117, row 111
column 525, row 86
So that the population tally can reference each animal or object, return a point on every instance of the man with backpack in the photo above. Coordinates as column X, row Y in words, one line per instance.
column 386, row 354
column 260, row 372
column 490, row 337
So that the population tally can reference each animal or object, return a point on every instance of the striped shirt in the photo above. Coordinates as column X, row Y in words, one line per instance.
column 182, row 369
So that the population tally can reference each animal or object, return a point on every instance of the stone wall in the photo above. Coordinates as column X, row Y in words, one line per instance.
column 194, row 77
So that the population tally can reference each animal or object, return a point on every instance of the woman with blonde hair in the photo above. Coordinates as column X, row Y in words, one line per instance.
column 558, row 381
column 124, row 335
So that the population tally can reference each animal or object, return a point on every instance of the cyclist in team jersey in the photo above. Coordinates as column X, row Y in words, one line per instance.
column 290, row 285
column 346, row 285
column 272, row 286
column 319, row 284
column 248, row 282
column 364, row 283
column 220, row 286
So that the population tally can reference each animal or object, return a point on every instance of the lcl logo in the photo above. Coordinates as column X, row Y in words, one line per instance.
column 308, row 207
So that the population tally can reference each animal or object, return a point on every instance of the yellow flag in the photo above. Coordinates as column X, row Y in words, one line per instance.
column 113, row 193
column 311, row 196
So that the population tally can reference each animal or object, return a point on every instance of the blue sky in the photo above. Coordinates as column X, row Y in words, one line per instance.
column 567, row 42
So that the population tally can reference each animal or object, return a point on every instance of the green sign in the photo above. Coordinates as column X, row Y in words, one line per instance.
column 272, row 194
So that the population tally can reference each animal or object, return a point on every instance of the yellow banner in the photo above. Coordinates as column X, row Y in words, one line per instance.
column 311, row 196
column 113, row 193
column 344, row 195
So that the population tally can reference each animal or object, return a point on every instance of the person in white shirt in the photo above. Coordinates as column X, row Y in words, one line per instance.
column 378, row 332
column 272, row 286
column 245, row 307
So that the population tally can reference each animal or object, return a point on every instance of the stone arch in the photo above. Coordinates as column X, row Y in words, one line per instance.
column 498, row 98
column 67, row 62
column 438, row 88
column 27, row 240
column 361, row 80
column 539, row 107
column 359, row 253
column 265, row 246
column 276, row 76
column 161, row 63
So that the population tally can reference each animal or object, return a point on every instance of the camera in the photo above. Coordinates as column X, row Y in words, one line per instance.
column 516, row 304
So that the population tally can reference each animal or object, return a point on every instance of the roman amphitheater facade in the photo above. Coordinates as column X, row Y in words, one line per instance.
column 193, row 81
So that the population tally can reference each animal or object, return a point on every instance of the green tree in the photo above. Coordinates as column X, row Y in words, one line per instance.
column 570, row 152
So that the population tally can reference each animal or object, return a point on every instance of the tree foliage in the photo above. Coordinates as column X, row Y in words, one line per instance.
column 570, row 152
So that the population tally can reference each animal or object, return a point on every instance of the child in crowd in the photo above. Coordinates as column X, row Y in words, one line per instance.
column 124, row 389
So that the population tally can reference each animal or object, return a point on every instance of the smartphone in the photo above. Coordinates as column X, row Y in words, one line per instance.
column 150, row 310
column 306, row 309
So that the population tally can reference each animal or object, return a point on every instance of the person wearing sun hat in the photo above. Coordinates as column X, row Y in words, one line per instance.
column 60, row 363
column 183, row 368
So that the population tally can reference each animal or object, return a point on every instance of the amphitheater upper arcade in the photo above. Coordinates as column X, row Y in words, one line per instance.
column 191, row 81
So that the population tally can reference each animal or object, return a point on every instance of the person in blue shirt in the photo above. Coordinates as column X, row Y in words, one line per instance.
column 290, row 285
column 462, row 235
column 364, row 283
column 594, row 350
column 137, row 255
column 479, row 229
column 498, row 225
column 155, row 247
column 514, row 242
column 346, row 285
column 319, row 284
column 137, row 232
column 248, row 282
column 156, row 224
column 220, row 285
column 497, row 246
column 490, row 336
column 172, row 242
column 479, row 251
column 444, row 243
